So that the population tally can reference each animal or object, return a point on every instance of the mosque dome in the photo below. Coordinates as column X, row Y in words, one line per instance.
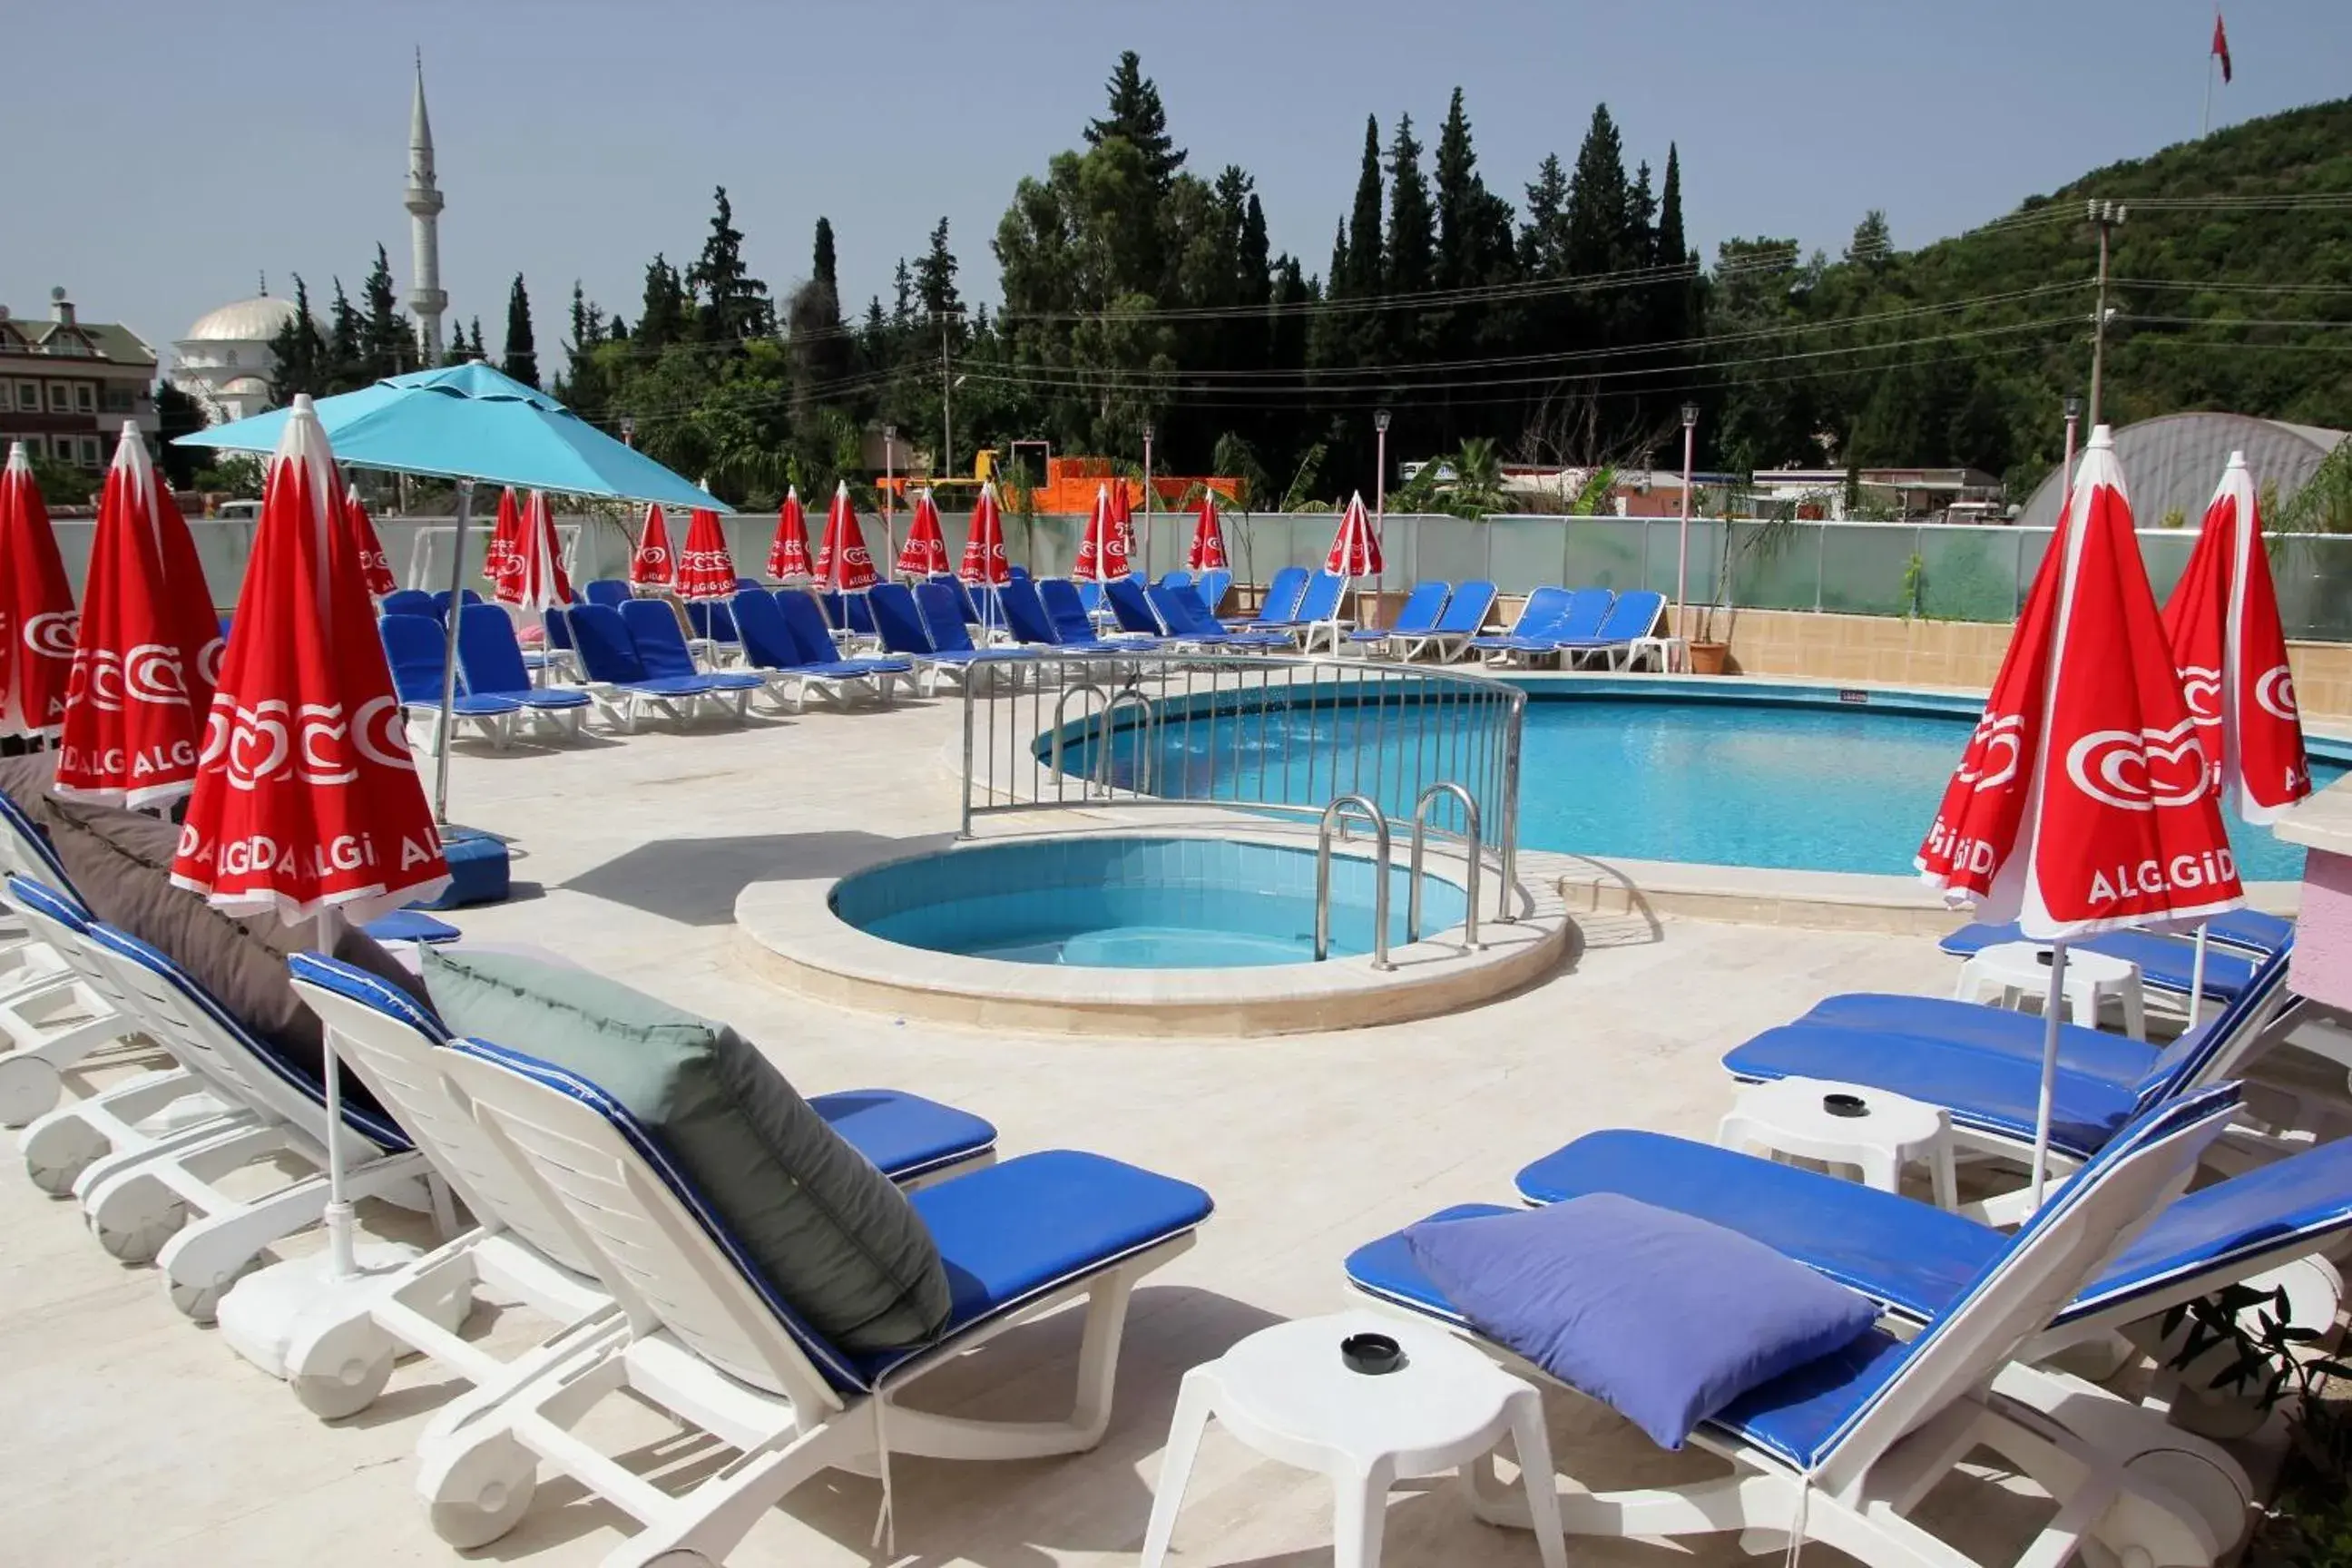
column 256, row 320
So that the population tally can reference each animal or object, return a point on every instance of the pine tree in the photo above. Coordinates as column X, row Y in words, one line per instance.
column 1543, row 235
column 473, row 350
column 579, row 317
column 1364, row 278
column 935, row 275
column 346, row 340
column 522, row 360
column 1410, row 257
column 297, row 351
column 387, row 343
column 1461, row 203
column 735, row 305
column 662, row 317
column 1598, row 200
column 1137, row 116
column 1873, row 245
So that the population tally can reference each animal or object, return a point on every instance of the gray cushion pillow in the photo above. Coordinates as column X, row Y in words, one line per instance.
column 121, row 865
column 835, row 1238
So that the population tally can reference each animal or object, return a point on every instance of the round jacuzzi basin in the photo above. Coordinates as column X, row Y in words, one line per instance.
column 1132, row 903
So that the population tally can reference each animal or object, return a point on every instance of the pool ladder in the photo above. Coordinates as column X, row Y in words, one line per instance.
column 1335, row 820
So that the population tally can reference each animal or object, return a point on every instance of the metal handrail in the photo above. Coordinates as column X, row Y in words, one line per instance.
column 1107, row 728
column 1420, row 843
column 1061, row 720
column 1333, row 814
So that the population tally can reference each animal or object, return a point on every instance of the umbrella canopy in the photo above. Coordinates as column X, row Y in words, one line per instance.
column 1355, row 548
column 1104, row 551
column 306, row 797
column 37, row 608
column 2083, row 802
column 788, row 555
column 1122, row 520
column 502, row 558
column 149, row 647
column 925, row 554
column 2223, row 626
column 983, row 546
column 468, row 421
column 1208, row 551
column 366, row 549
column 536, row 579
column 650, row 563
column 705, row 570
column 843, row 562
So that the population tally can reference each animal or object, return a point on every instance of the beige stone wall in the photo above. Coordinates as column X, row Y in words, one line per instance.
column 1956, row 653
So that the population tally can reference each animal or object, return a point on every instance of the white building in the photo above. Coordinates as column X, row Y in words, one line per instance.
column 224, row 362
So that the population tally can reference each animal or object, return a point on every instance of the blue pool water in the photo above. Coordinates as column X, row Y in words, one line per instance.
column 1131, row 903
column 1778, row 784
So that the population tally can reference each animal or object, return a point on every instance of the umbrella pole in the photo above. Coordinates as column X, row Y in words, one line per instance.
column 2197, row 976
column 342, row 1259
column 449, row 658
column 2053, row 1008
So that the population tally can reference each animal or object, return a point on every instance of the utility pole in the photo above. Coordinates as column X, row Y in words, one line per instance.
column 2105, row 216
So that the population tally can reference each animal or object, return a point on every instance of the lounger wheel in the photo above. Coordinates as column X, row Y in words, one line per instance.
column 29, row 1086
column 2145, row 1533
column 342, row 1371
column 137, row 1219
column 479, row 1490
column 200, row 1298
column 56, row 1155
column 2199, row 1485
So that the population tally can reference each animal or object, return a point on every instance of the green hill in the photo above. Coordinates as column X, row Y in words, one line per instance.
column 2232, row 280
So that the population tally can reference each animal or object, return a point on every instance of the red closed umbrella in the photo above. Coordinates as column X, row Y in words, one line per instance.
column 37, row 608
column 1103, row 551
column 366, row 549
column 983, row 547
column 925, row 554
column 1122, row 520
column 307, row 801
column 148, row 649
column 844, row 564
column 535, row 578
column 1208, row 551
column 1356, row 547
column 650, row 565
column 2223, row 626
column 788, row 556
column 705, row 570
column 502, row 558
column 2083, row 802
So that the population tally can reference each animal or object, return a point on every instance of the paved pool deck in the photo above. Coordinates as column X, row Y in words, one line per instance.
column 133, row 1437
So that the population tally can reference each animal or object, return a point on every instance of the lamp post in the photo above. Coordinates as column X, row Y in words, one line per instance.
column 628, row 430
column 1379, row 465
column 889, row 490
column 1682, row 532
column 1147, row 499
column 2073, row 406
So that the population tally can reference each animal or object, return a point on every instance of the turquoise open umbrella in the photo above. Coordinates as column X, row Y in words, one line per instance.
column 470, row 424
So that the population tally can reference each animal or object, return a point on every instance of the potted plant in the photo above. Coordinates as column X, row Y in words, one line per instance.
column 1709, row 650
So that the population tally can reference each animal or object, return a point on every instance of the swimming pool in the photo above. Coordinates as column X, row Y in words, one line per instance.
column 1784, row 777
column 1132, row 902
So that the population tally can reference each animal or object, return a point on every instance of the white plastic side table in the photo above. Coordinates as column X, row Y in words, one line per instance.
column 1285, row 1393
column 1791, row 1117
column 2021, row 969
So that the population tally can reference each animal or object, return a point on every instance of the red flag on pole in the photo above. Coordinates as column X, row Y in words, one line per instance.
column 2221, row 44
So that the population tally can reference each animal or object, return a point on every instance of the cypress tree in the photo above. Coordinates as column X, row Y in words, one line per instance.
column 1674, row 315
column 1599, row 201
column 297, row 351
column 935, row 275
column 473, row 350
column 823, row 267
column 346, row 341
column 1411, row 256
column 387, row 345
column 1364, row 277
column 734, row 303
column 661, row 319
column 522, row 354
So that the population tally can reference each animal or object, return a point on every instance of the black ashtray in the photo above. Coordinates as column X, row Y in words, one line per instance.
column 1370, row 1354
column 2045, row 958
column 1845, row 1105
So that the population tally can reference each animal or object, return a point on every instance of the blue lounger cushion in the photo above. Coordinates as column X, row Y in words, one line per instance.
column 1917, row 1260
column 2165, row 963
column 1986, row 1091
column 1019, row 1229
column 2093, row 1052
column 409, row 925
column 1665, row 1318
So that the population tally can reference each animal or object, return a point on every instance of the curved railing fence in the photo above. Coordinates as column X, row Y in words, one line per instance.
column 1273, row 734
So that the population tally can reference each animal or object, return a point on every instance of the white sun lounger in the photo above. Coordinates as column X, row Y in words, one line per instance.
column 50, row 1016
column 167, row 1201
column 1844, row 1449
column 701, row 1334
column 516, row 1246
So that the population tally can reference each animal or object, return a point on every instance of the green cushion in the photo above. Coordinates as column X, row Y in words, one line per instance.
column 834, row 1236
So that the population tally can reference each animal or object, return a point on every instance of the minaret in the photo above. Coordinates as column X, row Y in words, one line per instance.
column 426, row 298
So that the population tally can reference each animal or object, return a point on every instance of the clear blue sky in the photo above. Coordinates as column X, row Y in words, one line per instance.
column 162, row 155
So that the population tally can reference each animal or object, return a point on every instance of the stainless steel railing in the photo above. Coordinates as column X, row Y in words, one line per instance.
column 1334, row 819
column 1281, row 735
